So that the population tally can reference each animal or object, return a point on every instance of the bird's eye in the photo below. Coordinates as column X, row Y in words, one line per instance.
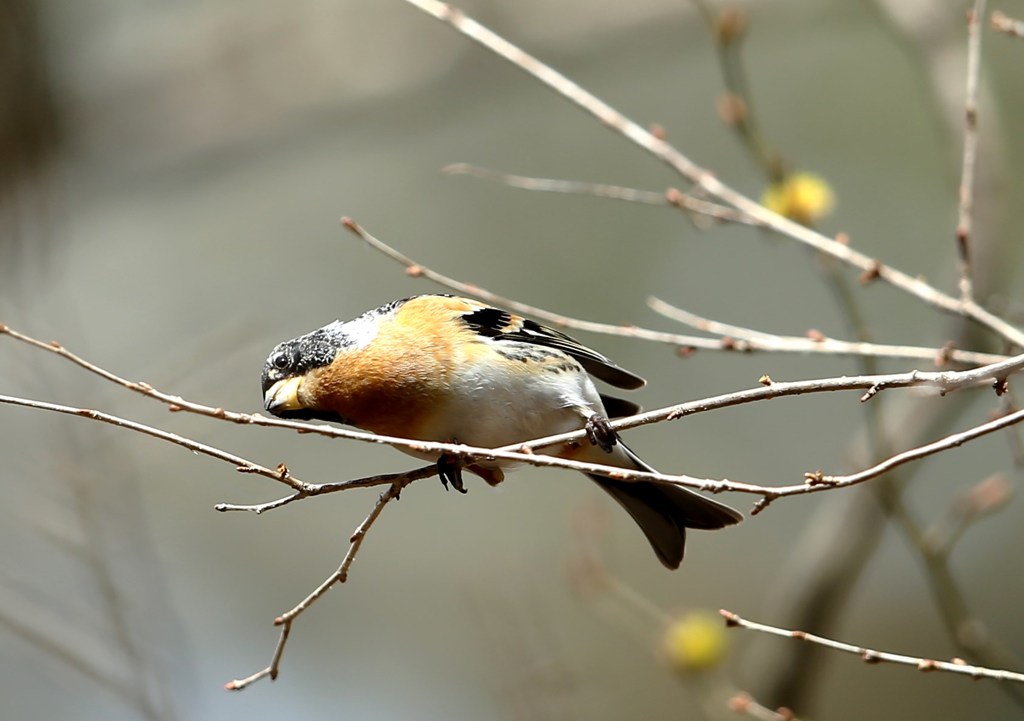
column 280, row 361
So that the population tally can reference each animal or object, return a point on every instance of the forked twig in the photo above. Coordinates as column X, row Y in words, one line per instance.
column 872, row 657
column 286, row 619
column 706, row 180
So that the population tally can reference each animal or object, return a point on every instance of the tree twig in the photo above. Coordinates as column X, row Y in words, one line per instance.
column 815, row 342
column 673, row 197
column 740, row 342
column 285, row 620
column 966, row 206
column 1005, row 24
column 707, row 181
column 524, row 452
column 872, row 657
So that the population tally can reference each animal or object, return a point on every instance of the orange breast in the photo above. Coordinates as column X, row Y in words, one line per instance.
column 392, row 385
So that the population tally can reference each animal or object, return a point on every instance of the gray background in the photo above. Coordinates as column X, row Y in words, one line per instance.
column 188, row 221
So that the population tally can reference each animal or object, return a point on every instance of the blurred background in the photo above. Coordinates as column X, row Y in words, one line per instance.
column 172, row 175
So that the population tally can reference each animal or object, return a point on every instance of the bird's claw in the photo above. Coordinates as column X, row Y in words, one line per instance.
column 600, row 433
column 449, row 468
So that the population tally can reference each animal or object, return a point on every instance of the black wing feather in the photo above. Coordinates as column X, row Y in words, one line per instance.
column 502, row 325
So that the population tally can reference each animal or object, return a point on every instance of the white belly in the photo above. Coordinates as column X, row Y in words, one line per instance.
column 488, row 410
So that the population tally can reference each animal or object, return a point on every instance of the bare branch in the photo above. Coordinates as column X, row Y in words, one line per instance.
column 753, row 340
column 672, row 197
column 872, row 657
column 750, row 341
column 947, row 381
column 954, row 440
column 966, row 207
column 744, row 703
column 1006, row 24
column 553, row 185
column 244, row 465
column 286, row 619
column 524, row 452
column 707, row 181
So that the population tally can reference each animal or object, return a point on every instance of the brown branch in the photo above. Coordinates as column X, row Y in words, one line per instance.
column 524, row 452
column 953, row 440
column 554, row 185
column 672, row 198
column 871, row 656
column 750, row 341
column 1006, row 24
column 707, row 181
column 286, row 619
column 966, row 206
column 945, row 382
column 281, row 474
column 744, row 703
column 754, row 340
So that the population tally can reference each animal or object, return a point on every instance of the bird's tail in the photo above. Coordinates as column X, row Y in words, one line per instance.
column 662, row 511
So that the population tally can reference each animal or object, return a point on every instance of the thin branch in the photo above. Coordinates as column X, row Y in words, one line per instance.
column 727, row 28
column 673, row 197
column 1006, row 24
column 417, row 270
column 947, row 381
column 524, row 452
column 286, row 619
column 954, row 440
column 747, row 343
column 81, row 661
column 744, row 703
column 965, row 217
column 319, row 489
column 872, row 657
column 814, row 342
column 554, row 185
column 706, row 180
column 281, row 474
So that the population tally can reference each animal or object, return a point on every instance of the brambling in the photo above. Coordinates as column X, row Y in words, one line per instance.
column 448, row 369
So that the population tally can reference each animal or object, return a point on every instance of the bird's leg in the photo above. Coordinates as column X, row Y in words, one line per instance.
column 449, row 468
column 600, row 433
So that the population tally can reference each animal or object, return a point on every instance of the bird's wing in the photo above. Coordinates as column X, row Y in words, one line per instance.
column 502, row 325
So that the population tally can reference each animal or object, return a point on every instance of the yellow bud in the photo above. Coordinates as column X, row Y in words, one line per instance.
column 695, row 642
column 803, row 197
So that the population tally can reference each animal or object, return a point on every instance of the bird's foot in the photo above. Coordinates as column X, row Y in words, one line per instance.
column 600, row 433
column 449, row 468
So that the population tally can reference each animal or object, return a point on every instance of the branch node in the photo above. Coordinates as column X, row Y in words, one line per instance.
column 871, row 392
column 818, row 478
column 945, row 354
column 761, row 504
column 872, row 273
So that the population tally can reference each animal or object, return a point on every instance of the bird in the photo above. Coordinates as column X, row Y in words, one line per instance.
column 449, row 369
